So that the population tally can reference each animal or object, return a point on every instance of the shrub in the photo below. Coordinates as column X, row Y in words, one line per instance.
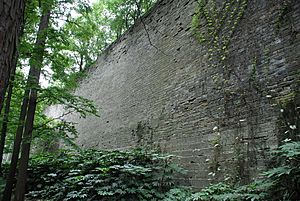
column 100, row 175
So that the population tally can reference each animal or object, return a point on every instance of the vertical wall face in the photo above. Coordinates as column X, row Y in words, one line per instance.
column 156, row 87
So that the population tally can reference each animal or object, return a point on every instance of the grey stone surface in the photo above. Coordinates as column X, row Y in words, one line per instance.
column 166, row 95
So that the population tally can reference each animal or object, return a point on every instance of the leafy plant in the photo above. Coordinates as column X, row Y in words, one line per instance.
column 100, row 175
column 285, row 176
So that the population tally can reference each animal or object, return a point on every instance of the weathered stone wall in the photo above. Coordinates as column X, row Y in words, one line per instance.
column 156, row 88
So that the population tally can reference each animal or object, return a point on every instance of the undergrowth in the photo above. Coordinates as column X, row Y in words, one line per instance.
column 98, row 175
column 139, row 175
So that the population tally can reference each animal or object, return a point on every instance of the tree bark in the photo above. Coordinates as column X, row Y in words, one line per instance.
column 7, row 110
column 81, row 62
column 8, row 98
column 11, row 19
column 17, row 142
column 36, row 65
column 16, row 149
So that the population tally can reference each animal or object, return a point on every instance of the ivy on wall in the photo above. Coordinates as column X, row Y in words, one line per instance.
column 214, row 25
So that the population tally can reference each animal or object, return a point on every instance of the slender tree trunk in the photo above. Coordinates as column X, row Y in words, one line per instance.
column 17, row 142
column 8, row 99
column 7, row 110
column 22, row 173
column 35, row 65
column 16, row 149
column 81, row 62
column 11, row 19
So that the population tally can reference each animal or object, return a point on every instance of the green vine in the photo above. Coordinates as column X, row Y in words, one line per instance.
column 214, row 25
column 220, row 24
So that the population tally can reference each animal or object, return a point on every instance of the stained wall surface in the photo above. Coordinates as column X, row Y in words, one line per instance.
column 156, row 87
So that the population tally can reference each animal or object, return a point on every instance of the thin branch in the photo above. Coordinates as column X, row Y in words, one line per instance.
column 53, row 119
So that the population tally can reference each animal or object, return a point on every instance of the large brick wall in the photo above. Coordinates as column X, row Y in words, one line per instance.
column 158, row 89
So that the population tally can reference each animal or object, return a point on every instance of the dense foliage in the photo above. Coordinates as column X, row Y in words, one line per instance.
column 99, row 175
column 141, row 175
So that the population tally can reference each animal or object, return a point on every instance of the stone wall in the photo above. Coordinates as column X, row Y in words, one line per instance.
column 156, row 87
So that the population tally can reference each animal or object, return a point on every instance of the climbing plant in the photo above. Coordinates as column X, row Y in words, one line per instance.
column 214, row 25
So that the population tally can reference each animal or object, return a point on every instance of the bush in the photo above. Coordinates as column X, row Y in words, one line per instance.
column 285, row 176
column 98, row 175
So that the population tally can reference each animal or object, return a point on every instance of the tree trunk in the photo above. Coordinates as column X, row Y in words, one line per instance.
column 22, row 173
column 7, row 110
column 81, row 62
column 11, row 19
column 35, row 65
column 8, row 99
column 17, row 142
column 16, row 149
